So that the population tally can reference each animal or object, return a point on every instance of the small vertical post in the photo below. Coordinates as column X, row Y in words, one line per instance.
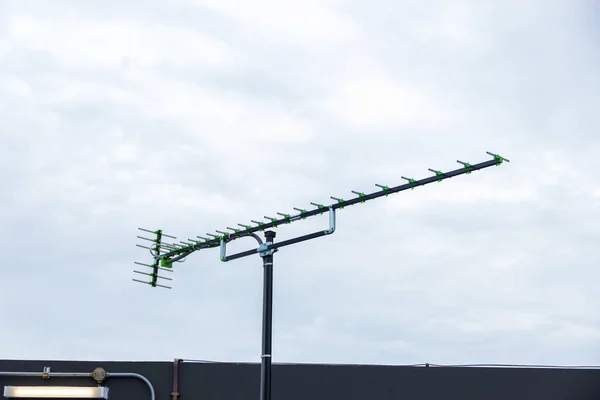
column 156, row 264
column 265, row 367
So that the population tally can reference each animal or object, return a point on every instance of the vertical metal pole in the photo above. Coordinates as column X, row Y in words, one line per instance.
column 267, row 326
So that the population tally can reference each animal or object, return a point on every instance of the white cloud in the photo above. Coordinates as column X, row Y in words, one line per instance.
column 374, row 102
column 307, row 23
column 85, row 42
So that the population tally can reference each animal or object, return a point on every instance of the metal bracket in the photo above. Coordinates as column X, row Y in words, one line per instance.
column 263, row 249
column 331, row 221
column 223, row 249
column 223, row 255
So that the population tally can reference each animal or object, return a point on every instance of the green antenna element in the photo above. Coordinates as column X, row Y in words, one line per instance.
column 302, row 212
column 340, row 201
column 287, row 217
column 468, row 166
column 437, row 173
column 165, row 254
column 384, row 188
column 319, row 206
column 273, row 221
column 498, row 158
column 410, row 180
column 359, row 194
column 260, row 224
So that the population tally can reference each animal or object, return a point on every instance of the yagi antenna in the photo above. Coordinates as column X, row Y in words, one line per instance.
column 165, row 254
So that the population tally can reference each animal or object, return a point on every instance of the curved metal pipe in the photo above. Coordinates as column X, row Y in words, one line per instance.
column 83, row 375
column 255, row 236
column 136, row 376
column 224, row 244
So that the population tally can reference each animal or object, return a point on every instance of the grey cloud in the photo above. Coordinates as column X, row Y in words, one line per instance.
column 498, row 266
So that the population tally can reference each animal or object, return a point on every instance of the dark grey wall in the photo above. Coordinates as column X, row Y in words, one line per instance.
column 327, row 382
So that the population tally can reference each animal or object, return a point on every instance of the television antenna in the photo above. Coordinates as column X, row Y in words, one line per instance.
column 166, row 252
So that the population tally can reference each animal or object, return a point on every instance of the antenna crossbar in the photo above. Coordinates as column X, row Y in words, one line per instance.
column 217, row 240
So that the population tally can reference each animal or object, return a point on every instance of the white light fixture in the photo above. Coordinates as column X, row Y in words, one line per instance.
column 55, row 392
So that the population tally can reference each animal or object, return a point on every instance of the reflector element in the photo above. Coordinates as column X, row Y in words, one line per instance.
column 55, row 392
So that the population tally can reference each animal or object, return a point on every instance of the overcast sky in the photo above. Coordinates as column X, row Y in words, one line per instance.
column 194, row 115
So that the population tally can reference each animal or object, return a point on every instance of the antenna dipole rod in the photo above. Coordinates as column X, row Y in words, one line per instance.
column 498, row 156
column 150, row 283
column 154, row 232
column 152, row 266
